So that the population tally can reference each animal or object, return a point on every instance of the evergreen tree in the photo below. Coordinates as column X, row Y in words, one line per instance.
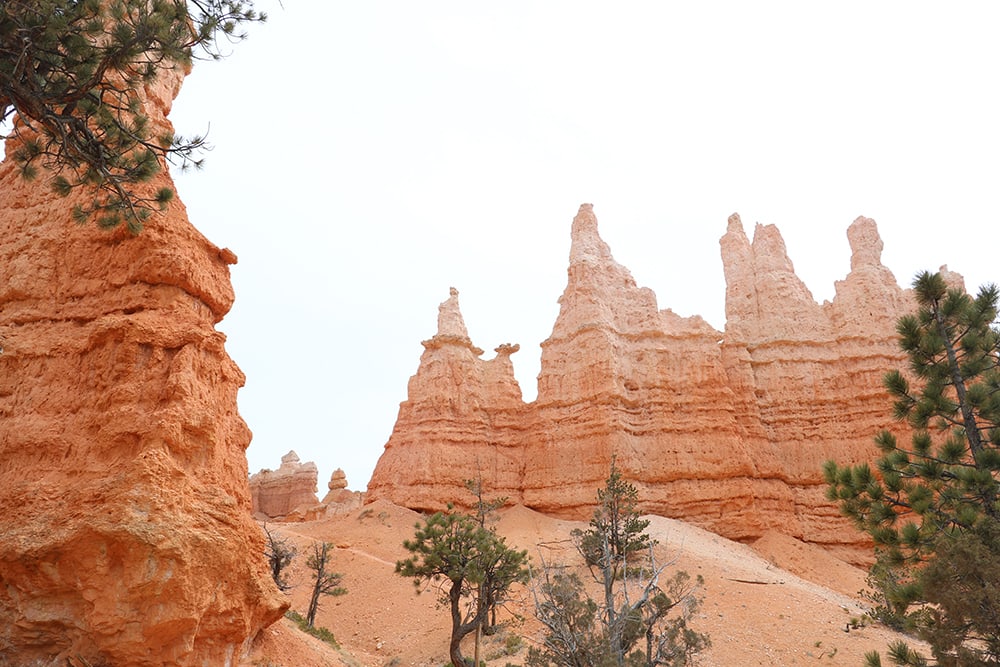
column 484, row 510
column 469, row 562
column 574, row 636
column 324, row 581
column 71, row 75
column 931, row 507
column 642, row 620
column 617, row 532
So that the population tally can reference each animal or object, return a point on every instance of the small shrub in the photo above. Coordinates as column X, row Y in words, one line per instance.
column 512, row 645
column 322, row 634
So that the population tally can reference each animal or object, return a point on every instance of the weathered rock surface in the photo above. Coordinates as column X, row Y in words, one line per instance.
column 124, row 506
column 464, row 417
column 278, row 493
column 338, row 500
column 728, row 430
column 336, row 488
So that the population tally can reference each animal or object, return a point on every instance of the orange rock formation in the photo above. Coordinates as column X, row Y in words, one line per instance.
column 278, row 493
column 337, row 491
column 124, row 506
column 727, row 430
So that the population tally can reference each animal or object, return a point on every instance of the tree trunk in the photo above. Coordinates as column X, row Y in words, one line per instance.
column 972, row 433
column 313, row 605
column 455, row 645
column 460, row 630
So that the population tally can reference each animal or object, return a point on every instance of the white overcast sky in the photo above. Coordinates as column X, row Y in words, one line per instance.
column 369, row 155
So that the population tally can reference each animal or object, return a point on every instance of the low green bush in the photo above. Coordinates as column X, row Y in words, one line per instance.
column 321, row 634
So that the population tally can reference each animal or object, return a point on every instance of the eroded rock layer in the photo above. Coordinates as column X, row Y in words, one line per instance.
column 728, row 430
column 278, row 493
column 464, row 418
column 124, row 506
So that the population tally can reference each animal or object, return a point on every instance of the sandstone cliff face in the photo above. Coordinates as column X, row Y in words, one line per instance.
column 277, row 493
column 725, row 429
column 124, row 506
column 810, row 376
column 464, row 418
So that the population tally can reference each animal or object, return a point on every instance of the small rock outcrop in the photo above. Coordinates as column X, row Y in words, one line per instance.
column 124, row 506
column 339, row 499
column 277, row 493
column 336, row 487
column 728, row 430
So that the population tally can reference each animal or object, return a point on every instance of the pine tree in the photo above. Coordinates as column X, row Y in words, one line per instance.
column 469, row 562
column 642, row 619
column 932, row 507
column 484, row 510
column 324, row 581
column 71, row 75
column 617, row 532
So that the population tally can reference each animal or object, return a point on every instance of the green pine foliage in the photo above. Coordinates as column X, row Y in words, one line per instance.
column 617, row 532
column 469, row 562
column 485, row 509
column 642, row 618
column 325, row 582
column 323, row 634
column 71, row 72
column 931, row 506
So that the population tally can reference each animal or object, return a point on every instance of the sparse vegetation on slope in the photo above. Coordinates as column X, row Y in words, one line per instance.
column 642, row 618
column 469, row 562
column 73, row 73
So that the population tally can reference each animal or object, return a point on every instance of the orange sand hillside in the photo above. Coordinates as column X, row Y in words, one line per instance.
column 755, row 612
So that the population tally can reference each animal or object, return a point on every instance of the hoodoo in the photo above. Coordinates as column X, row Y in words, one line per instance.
column 278, row 493
column 124, row 505
column 727, row 430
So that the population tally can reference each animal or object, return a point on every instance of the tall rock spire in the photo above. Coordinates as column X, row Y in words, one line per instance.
column 451, row 326
column 586, row 244
column 869, row 300
column 450, row 320
column 124, row 504
column 456, row 405
column 599, row 292
column 764, row 296
column 725, row 430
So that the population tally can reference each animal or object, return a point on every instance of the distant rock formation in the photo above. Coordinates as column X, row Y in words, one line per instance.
column 277, row 493
column 726, row 430
column 338, row 499
column 336, row 487
column 289, row 493
column 124, row 508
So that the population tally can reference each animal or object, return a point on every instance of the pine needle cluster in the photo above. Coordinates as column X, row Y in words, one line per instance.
column 72, row 74
column 931, row 506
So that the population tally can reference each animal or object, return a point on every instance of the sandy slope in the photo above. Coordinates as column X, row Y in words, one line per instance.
column 756, row 612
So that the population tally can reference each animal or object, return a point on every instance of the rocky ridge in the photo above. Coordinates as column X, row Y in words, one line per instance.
column 727, row 430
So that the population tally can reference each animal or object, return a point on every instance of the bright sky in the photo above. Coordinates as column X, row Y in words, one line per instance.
column 369, row 155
